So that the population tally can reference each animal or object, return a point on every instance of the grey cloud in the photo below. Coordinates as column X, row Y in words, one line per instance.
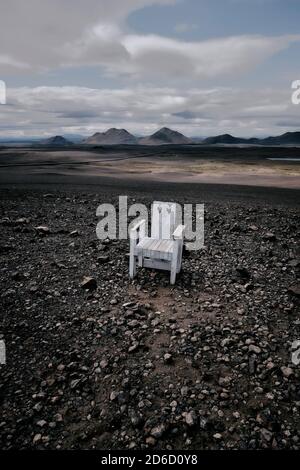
column 292, row 123
column 143, row 109
column 78, row 114
column 185, row 115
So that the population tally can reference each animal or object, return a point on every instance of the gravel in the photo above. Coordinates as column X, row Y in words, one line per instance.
column 95, row 360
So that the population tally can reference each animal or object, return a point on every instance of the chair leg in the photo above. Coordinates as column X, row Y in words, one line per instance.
column 132, row 266
column 132, row 261
column 174, row 265
column 179, row 257
column 173, row 276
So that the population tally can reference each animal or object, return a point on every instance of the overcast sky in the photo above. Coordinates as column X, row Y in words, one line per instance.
column 202, row 67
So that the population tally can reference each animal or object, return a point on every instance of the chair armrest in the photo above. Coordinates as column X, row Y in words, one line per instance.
column 138, row 227
column 179, row 232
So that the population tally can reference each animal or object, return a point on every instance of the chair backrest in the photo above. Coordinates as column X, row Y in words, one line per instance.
column 164, row 219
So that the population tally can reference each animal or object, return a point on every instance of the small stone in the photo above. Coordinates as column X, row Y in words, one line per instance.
column 133, row 347
column 74, row 233
column 158, row 431
column 295, row 290
column 37, row 438
column 74, row 383
column 191, row 418
column 287, row 371
column 17, row 276
column 88, row 283
column 218, row 436
column 41, row 423
column 136, row 419
column 113, row 395
column 224, row 381
column 254, row 349
column 269, row 236
column 266, row 435
column 240, row 311
column 103, row 364
column 184, row 391
column 22, row 220
column 42, row 229
column 102, row 259
column 252, row 365
column 150, row 441
column 37, row 407
column 58, row 418
column 167, row 358
column 270, row 365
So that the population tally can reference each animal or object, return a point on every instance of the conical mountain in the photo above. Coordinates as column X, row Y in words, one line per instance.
column 165, row 136
column 111, row 137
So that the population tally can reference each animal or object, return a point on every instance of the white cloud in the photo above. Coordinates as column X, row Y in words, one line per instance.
column 213, row 58
column 55, row 33
column 35, row 32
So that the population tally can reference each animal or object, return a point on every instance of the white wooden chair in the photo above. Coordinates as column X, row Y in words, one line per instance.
column 163, row 250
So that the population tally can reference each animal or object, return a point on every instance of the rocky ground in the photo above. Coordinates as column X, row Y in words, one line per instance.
column 109, row 363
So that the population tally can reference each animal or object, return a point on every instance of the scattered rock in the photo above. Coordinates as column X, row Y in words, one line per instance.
column 42, row 229
column 168, row 358
column 269, row 236
column 295, row 290
column 266, row 435
column 89, row 283
column 103, row 364
column 37, row 438
column 133, row 347
column 158, row 431
column 150, row 441
column 102, row 259
column 113, row 395
column 254, row 349
column 287, row 371
column 191, row 418
column 184, row 391
column 41, row 423
column 74, row 233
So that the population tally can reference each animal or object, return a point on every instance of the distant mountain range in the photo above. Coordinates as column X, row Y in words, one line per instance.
column 289, row 138
column 164, row 136
column 121, row 136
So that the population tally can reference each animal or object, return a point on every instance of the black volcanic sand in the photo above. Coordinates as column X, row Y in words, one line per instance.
column 205, row 364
